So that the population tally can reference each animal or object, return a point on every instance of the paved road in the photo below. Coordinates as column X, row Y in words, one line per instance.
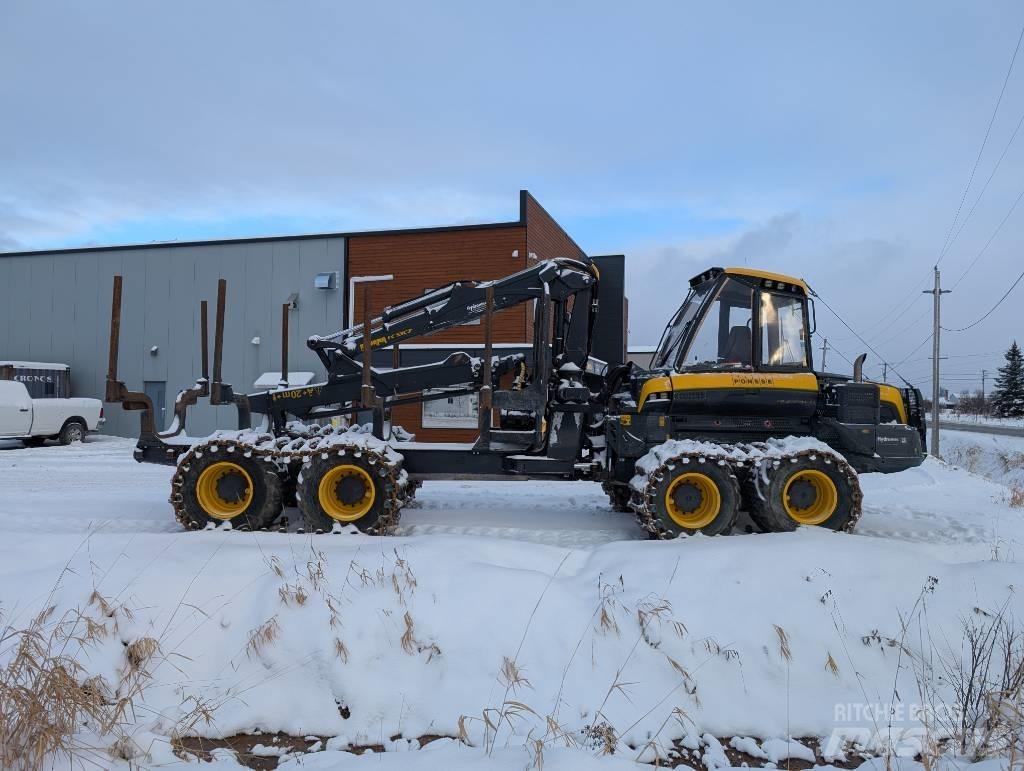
column 980, row 428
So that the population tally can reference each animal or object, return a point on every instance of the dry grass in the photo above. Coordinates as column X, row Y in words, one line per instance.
column 832, row 666
column 1016, row 497
column 262, row 636
column 784, row 649
column 140, row 652
column 49, row 706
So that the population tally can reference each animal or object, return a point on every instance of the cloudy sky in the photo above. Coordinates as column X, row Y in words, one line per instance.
column 834, row 141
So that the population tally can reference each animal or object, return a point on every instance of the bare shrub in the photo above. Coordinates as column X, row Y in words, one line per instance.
column 986, row 680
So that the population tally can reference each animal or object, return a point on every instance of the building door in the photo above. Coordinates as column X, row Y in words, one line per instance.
column 156, row 390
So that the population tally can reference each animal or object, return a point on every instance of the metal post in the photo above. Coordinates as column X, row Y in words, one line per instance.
column 824, row 350
column 115, row 341
column 484, row 415
column 218, row 341
column 366, row 395
column 936, row 293
column 284, row 346
column 204, row 343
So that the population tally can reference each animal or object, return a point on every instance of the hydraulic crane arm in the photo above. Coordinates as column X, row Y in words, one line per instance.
column 455, row 304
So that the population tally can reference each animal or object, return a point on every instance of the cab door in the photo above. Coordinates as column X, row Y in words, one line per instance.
column 15, row 409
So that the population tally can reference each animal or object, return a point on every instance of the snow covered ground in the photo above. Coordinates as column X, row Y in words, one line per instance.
column 980, row 420
column 531, row 606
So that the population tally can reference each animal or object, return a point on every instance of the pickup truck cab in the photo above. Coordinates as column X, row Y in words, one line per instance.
column 33, row 421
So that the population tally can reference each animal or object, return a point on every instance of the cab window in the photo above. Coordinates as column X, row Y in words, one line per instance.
column 783, row 331
column 724, row 339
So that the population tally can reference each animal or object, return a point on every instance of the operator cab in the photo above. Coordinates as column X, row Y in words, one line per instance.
column 739, row 320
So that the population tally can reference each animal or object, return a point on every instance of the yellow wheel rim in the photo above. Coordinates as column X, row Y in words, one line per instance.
column 810, row 497
column 346, row 493
column 224, row 490
column 693, row 500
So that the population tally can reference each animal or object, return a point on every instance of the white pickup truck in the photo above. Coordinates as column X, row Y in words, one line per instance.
column 33, row 421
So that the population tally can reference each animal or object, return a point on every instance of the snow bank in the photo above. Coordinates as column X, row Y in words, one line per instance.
column 363, row 639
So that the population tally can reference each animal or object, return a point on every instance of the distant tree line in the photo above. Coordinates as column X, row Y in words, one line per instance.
column 1007, row 399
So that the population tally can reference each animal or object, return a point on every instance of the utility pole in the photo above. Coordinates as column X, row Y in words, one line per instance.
column 984, row 410
column 936, row 293
column 824, row 350
column 885, row 372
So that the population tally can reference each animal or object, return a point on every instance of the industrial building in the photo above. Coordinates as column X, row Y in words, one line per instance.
column 55, row 306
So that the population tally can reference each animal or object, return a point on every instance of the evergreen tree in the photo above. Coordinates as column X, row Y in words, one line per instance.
column 1008, row 399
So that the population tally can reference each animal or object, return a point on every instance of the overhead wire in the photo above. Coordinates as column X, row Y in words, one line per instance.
column 990, row 310
column 908, row 302
column 981, row 150
column 984, row 187
column 855, row 334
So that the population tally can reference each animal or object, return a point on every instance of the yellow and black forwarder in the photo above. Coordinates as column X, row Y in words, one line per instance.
column 731, row 417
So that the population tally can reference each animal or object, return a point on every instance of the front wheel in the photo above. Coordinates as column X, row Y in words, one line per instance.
column 693, row 495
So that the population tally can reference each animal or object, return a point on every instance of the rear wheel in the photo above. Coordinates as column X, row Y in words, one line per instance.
column 812, row 491
column 221, row 486
column 344, row 488
column 73, row 431
column 695, row 497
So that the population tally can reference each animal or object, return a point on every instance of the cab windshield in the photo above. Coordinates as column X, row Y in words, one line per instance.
column 712, row 329
column 676, row 331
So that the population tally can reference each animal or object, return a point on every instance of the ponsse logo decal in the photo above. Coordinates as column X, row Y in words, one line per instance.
column 753, row 380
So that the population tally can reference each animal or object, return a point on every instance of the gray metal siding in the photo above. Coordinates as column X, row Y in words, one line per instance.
column 56, row 307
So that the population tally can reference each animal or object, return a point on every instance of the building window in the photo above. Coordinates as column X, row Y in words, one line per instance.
column 457, row 411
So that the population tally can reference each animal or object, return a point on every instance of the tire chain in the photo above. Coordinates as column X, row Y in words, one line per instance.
column 755, row 479
column 282, row 451
column 643, row 503
column 747, row 470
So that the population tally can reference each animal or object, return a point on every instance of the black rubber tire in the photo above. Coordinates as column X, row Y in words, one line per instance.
column 72, row 431
column 728, row 488
column 34, row 441
column 264, row 508
column 769, row 513
column 316, row 519
column 619, row 496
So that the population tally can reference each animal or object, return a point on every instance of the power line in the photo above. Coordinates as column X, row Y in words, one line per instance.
column 990, row 240
column 981, row 150
column 991, row 310
column 854, row 332
column 909, row 301
column 916, row 349
column 985, row 187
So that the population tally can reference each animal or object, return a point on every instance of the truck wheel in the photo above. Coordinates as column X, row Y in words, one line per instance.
column 343, row 488
column 697, row 498
column 73, row 431
column 218, row 487
column 34, row 441
column 807, row 492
